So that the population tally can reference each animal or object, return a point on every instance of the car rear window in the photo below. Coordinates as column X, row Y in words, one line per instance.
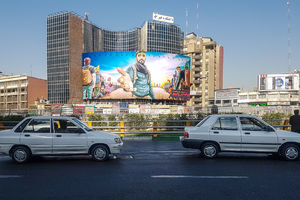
column 202, row 122
column 225, row 123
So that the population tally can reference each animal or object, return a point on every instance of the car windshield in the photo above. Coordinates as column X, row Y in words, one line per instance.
column 82, row 125
column 202, row 122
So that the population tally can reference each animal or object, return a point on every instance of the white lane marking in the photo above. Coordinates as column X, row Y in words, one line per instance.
column 201, row 177
column 10, row 176
column 167, row 151
column 123, row 157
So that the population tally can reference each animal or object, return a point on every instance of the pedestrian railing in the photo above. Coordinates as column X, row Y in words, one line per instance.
column 151, row 127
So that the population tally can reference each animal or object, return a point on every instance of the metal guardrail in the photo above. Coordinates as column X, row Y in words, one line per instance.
column 151, row 127
column 155, row 128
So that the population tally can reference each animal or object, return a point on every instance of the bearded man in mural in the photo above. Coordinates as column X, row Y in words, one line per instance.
column 137, row 78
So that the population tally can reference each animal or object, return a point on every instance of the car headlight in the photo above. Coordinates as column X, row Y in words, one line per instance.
column 118, row 140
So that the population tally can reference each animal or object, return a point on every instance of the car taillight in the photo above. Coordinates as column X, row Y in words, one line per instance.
column 186, row 134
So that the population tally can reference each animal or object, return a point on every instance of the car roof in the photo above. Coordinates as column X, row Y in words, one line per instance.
column 232, row 115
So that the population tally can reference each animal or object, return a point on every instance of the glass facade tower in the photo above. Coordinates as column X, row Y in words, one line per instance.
column 162, row 37
column 58, row 58
column 121, row 41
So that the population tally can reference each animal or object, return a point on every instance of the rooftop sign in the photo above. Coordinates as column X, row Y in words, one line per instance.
column 163, row 18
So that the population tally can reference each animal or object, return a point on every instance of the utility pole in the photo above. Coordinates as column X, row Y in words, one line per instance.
column 186, row 21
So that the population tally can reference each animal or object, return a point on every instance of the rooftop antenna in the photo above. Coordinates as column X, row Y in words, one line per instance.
column 289, row 36
column 86, row 16
column 186, row 21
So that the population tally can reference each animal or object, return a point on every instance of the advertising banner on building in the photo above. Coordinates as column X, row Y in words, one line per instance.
column 89, row 110
column 56, row 108
column 278, row 82
column 162, row 18
column 78, row 110
column 227, row 94
column 135, row 75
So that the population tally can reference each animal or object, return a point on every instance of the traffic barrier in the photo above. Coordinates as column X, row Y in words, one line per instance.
column 285, row 125
column 155, row 128
column 168, row 127
column 122, row 124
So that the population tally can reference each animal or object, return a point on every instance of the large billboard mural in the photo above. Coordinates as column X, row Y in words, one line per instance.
column 135, row 75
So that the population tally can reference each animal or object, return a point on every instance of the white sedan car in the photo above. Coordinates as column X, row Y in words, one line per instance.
column 240, row 133
column 57, row 136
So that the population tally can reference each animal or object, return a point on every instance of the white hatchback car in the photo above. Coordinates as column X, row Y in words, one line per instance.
column 57, row 136
column 240, row 133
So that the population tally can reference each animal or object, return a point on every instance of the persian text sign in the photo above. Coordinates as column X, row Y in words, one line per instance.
column 163, row 18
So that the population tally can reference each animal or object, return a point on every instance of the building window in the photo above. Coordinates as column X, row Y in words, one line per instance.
column 252, row 96
column 261, row 96
column 243, row 96
column 226, row 101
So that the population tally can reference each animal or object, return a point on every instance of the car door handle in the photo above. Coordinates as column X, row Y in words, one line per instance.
column 247, row 133
column 27, row 135
column 216, row 132
column 58, row 135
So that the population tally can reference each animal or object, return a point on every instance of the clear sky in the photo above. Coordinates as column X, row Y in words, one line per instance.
column 254, row 33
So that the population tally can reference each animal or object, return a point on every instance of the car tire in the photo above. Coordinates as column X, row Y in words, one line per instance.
column 209, row 150
column 290, row 152
column 20, row 154
column 100, row 153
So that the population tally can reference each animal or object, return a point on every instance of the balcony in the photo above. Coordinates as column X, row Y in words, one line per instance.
column 196, row 81
column 197, row 69
column 197, row 75
column 198, row 100
column 197, row 63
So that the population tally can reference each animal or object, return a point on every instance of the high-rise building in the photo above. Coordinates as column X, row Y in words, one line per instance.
column 161, row 37
column 69, row 35
column 64, row 49
column 206, row 68
column 18, row 92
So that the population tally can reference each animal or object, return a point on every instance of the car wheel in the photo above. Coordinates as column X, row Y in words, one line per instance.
column 290, row 152
column 209, row 150
column 100, row 153
column 20, row 154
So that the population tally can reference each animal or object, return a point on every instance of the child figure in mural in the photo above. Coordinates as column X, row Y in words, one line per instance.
column 108, row 86
column 97, row 83
column 88, row 79
column 137, row 78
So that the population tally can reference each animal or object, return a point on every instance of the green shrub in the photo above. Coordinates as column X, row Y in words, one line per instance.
column 275, row 118
column 97, row 118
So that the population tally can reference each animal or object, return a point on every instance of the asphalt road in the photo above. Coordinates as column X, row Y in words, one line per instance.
column 151, row 170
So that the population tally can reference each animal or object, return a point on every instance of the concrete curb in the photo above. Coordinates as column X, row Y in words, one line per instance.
column 143, row 138
column 136, row 138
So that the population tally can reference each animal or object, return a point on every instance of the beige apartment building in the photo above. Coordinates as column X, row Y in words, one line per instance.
column 206, row 69
column 18, row 92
